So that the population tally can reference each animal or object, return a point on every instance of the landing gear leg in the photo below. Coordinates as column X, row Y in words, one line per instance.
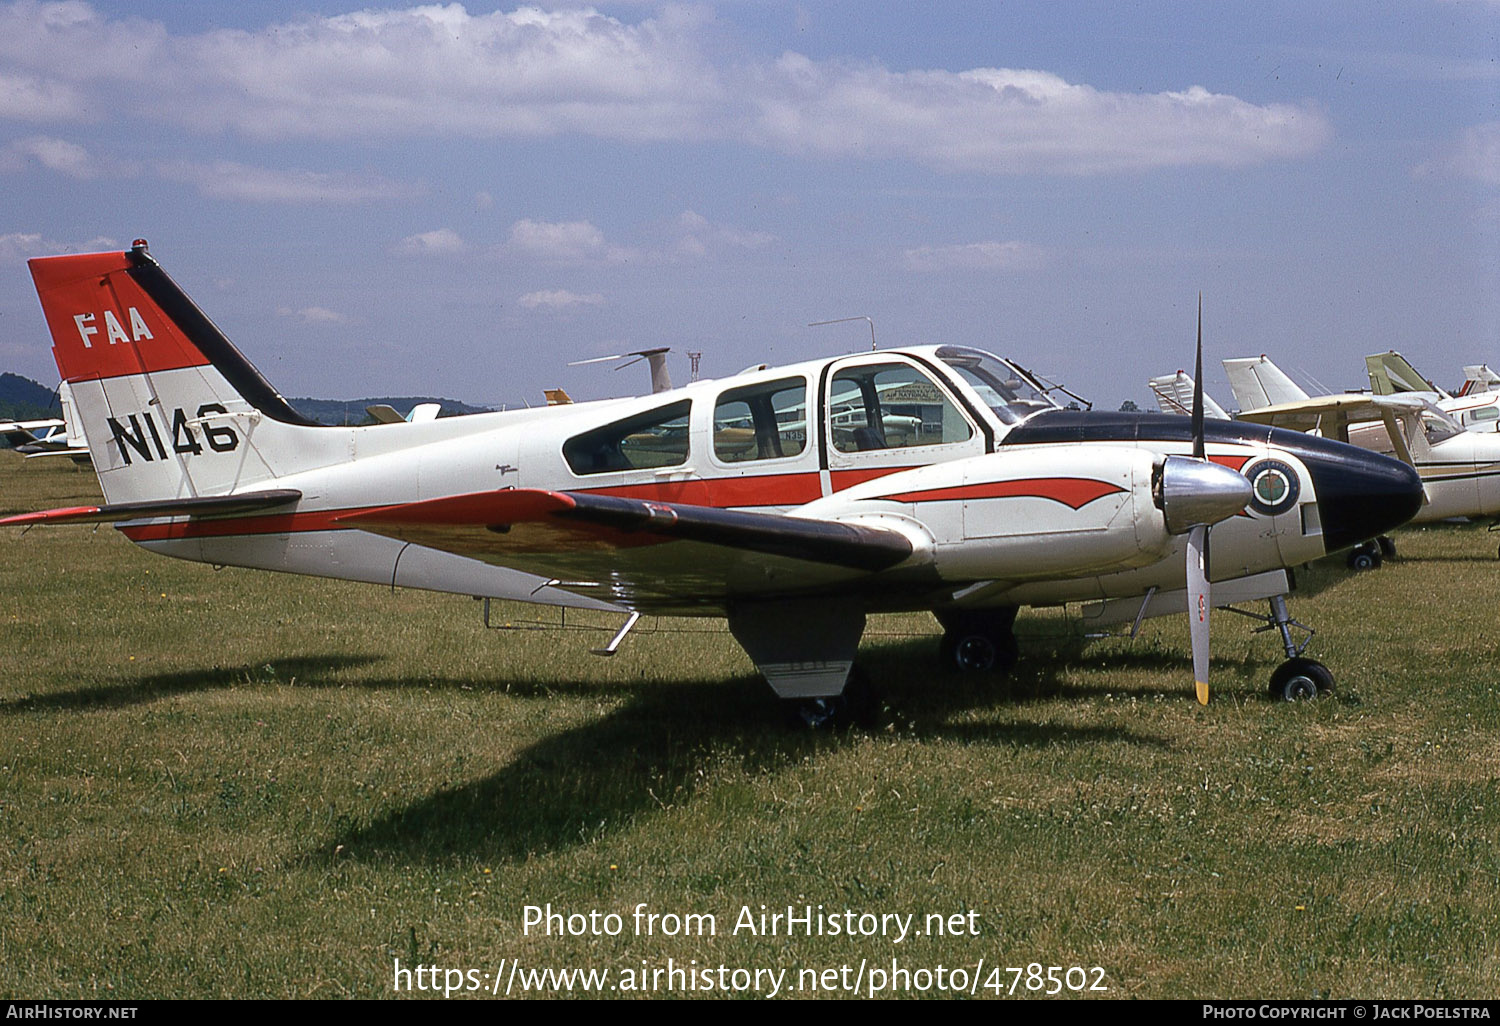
column 1298, row 678
column 979, row 640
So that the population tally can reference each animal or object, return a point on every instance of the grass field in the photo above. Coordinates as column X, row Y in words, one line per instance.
column 238, row 784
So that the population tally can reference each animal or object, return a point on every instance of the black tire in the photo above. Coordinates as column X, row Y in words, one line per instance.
column 979, row 642
column 1300, row 679
column 1387, row 546
column 970, row 653
column 856, row 704
column 1362, row 559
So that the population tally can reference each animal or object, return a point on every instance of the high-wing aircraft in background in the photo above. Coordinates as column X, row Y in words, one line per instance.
column 50, row 437
column 1460, row 469
column 1476, row 406
column 963, row 491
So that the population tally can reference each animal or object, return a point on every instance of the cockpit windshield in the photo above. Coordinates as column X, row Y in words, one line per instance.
column 1438, row 427
column 1012, row 394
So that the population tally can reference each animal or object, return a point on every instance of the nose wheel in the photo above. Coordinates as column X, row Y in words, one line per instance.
column 1368, row 556
column 979, row 640
column 1299, row 679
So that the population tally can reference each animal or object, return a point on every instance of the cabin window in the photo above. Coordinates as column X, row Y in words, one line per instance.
column 656, row 438
column 761, row 422
column 891, row 406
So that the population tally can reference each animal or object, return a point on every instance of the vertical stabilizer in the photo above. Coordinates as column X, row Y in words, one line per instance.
column 1258, row 382
column 1174, row 394
column 168, row 407
column 1390, row 374
column 1479, row 378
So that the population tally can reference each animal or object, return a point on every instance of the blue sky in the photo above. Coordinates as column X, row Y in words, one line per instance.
column 459, row 200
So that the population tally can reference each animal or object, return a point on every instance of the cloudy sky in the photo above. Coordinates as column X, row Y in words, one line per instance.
column 459, row 200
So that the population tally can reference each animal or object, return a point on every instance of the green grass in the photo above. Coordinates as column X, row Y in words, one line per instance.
column 236, row 784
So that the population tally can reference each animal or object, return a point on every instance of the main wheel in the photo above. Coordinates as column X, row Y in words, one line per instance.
column 979, row 642
column 856, row 704
column 1387, row 546
column 1364, row 558
column 1299, row 679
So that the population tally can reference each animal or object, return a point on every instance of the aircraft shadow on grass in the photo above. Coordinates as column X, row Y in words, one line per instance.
column 586, row 783
column 122, row 693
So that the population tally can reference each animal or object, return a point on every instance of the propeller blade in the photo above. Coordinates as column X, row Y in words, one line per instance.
column 1199, row 606
column 1198, row 447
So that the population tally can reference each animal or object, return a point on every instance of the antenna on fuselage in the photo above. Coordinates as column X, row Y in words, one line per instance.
column 845, row 320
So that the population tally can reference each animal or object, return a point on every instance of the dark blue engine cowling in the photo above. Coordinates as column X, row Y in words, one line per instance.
column 1361, row 494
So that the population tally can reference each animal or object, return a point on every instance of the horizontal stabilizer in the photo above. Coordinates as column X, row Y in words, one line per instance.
column 534, row 520
column 211, row 505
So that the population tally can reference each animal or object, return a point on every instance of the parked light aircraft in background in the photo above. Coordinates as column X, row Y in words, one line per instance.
column 1476, row 406
column 1174, row 394
column 1460, row 470
column 385, row 413
column 656, row 361
column 664, row 504
column 1479, row 378
column 49, row 437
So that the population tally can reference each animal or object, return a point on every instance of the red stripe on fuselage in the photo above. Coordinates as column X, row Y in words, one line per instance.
column 721, row 493
column 1232, row 462
column 1075, row 492
column 745, row 492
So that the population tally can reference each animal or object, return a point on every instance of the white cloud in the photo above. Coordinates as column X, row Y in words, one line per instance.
column 698, row 235
column 441, row 242
column 976, row 256
column 559, row 299
column 28, row 98
column 225, row 179
column 439, row 71
column 16, row 247
column 313, row 315
column 424, row 70
column 54, row 154
column 564, row 242
column 1474, row 155
column 1016, row 121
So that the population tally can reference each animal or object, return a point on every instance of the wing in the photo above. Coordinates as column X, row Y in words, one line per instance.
column 247, row 502
column 385, row 413
column 652, row 555
column 1332, row 415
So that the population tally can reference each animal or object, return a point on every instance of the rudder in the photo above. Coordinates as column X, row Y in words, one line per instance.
column 167, row 404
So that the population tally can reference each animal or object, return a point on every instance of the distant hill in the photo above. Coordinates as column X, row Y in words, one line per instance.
column 24, row 399
column 352, row 411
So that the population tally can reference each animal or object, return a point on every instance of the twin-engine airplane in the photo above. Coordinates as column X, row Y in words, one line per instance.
column 959, row 488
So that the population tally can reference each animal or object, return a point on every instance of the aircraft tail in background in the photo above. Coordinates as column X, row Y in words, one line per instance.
column 1257, row 382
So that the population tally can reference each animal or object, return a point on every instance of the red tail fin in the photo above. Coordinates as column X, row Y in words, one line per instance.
column 104, row 324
